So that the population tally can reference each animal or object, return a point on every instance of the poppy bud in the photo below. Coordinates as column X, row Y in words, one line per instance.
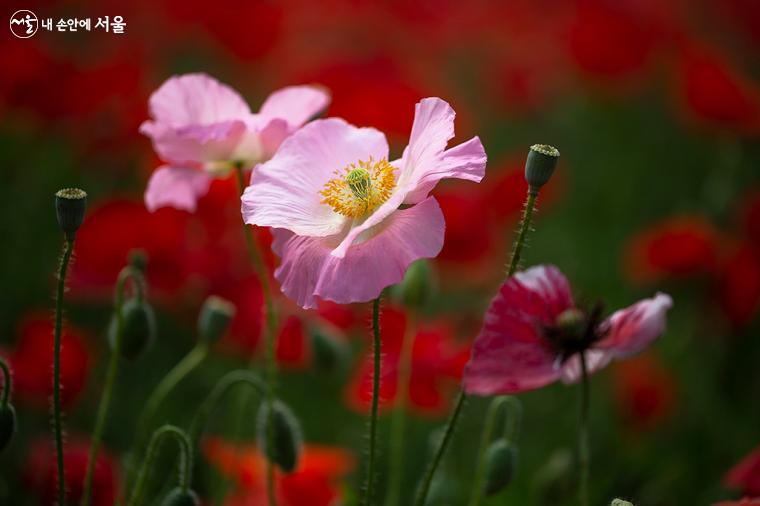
column 540, row 165
column 70, row 205
column 620, row 502
column 7, row 424
column 215, row 318
column 179, row 497
column 286, row 435
column 139, row 328
column 329, row 351
column 501, row 461
column 416, row 288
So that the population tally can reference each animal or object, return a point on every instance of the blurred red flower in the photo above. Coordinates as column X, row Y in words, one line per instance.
column 644, row 391
column 315, row 482
column 717, row 93
column 746, row 501
column 468, row 236
column 40, row 473
column 739, row 284
column 343, row 316
column 436, row 363
column 32, row 362
column 676, row 247
column 292, row 348
column 745, row 475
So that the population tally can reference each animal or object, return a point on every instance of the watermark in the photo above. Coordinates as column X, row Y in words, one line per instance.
column 24, row 24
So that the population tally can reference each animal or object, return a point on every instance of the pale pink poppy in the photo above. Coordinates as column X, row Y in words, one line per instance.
column 533, row 333
column 202, row 129
column 347, row 221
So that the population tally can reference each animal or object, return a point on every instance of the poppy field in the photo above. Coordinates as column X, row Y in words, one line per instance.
column 349, row 253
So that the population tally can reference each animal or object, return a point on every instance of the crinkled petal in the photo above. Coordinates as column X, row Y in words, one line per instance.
column 295, row 104
column 630, row 330
column 195, row 144
column 176, row 187
column 196, row 99
column 595, row 360
column 464, row 161
column 285, row 191
column 510, row 355
column 308, row 271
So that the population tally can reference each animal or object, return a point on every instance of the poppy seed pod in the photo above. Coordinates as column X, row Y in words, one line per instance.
column 620, row 502
column 139, row 328
column 540, row 164
column 501, row 461
column 329, row 352
column 416, row 289
column 70, row 205
column 7, row 424
column 179, row 497
column 286, row 435
column 215, row 318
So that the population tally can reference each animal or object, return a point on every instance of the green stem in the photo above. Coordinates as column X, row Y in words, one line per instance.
column 185, row 462
column 7, row 382
column 398, row 422
column 583, row 434
column 180, row 371
column 68, row 247
column 376, row 350
column 510, row 433
column 269, row 335
column 513, row 263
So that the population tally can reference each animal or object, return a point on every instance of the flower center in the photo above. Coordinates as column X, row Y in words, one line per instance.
column 360, row 188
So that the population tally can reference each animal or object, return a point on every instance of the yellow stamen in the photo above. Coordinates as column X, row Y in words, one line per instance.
column 360, row 188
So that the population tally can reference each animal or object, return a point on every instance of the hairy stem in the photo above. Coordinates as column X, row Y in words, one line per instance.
column 513, row 264
column 270, row 329
column 185, row 462
column 68, row 247
column 376, row 350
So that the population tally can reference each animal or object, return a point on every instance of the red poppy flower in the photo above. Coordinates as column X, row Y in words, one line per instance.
column 315, row 482
column 717, row 93
column 677, row 247
column 739, row 284
column 292, row 348
column 32, row 362
column 745, row 475
column 644, row 391
column 437, row 362
column 40, row 473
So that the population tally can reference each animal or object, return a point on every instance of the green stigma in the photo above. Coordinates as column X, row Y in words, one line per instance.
column 358, row 181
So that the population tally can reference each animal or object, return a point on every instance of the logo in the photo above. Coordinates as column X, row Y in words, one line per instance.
column 24, row 24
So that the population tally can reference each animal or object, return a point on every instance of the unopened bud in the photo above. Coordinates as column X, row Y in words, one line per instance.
column 70, row 205
column 416, row 289
column 329, row 352
column 7, row 424
column 285, row 435
column 138, row 328
column 540, row 164
column 179, row 497
column 215, row 318
column 501, row 462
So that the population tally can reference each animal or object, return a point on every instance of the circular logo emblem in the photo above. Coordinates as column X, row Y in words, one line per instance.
column 24, row 24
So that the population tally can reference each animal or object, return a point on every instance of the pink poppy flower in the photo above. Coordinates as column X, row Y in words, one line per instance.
column 533, row 333
column 333, row 199
column 202, row 129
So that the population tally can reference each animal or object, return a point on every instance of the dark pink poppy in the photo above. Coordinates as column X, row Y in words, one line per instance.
column 533, row 334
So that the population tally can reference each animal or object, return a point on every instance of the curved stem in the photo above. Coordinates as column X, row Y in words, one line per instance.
column 214, row 397
column 510, row 432
column 68, row 247
column 370, row 478
column 125, row 274
column 269, row 335
column 7, row 382
column 513, row 263
column 185, row 462
column 583, row 436
column 398, row 422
